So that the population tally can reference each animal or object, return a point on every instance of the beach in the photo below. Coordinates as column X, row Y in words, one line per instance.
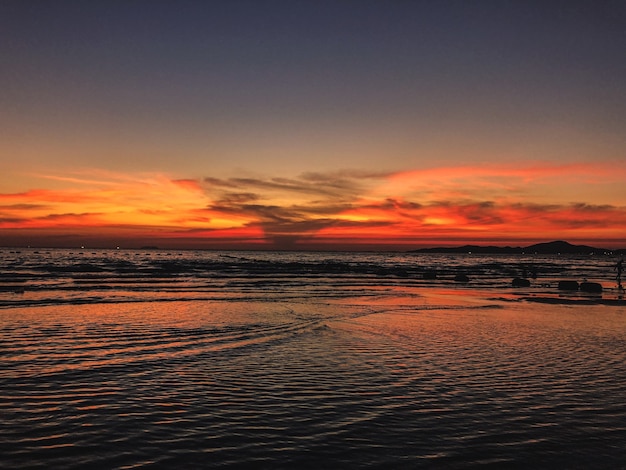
column 151, row 359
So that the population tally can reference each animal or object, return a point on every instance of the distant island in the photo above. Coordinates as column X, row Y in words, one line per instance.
column 548, row 248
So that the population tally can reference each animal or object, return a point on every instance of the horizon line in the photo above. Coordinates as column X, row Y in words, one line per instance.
column 313, row 247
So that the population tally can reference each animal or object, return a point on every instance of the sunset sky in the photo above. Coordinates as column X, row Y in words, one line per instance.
column 312, row 124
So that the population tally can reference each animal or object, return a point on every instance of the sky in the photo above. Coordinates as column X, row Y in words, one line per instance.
column 374, row 125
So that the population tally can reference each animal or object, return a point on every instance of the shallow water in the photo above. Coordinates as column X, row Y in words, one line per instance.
column 51, row 277
column 307, row 361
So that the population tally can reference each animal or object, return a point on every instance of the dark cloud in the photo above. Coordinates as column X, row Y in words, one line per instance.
column 344, row 181
column 318, row 198
column 68, row 215
column 336, row 184
column 391, row 204
column 294, row 185
column 581, row 206
column 325, row 208
column 483, row 213
column 282, row 184
column 219, row 182
column 238, row 198
column 293, row 210
column 271, row 213
column 24, row 207
column 345, row 175
column 533, row 207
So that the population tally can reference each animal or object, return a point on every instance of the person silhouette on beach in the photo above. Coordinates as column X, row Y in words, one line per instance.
column 619, row 267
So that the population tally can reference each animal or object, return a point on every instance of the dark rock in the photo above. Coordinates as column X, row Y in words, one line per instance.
column 568, row 285
column 430, row 275
column 461, row 278
column 520, row 282
column 591, row 287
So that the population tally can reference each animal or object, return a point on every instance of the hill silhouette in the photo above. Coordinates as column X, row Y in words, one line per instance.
column 547, row 248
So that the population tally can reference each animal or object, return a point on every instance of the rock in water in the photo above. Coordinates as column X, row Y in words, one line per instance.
column 520, row 282
column 568, row 285
column 591, row 287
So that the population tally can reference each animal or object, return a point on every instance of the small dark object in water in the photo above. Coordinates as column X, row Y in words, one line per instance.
column 568, row 285
column 461, row 278
column 520, row 282
column 430, row 275
column 591, row 287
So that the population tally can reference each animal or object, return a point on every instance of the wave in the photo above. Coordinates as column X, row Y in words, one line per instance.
column 63, row 277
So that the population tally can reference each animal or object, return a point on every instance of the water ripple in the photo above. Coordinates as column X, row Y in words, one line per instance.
column 383, row 377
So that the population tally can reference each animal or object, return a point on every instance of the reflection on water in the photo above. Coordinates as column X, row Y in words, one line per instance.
column 283, row 385
column 32, row 277
column 355, row 369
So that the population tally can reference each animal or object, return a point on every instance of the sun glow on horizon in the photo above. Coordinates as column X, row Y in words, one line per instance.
column 346, row 208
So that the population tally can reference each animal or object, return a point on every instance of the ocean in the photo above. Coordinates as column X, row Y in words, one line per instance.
column 129, row 359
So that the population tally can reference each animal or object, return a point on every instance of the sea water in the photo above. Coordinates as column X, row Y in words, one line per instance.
column 193, row 359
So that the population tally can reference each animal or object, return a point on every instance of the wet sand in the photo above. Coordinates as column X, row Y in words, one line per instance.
column 402, row 378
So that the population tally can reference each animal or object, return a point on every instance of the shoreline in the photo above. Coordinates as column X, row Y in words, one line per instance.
column 451, row 295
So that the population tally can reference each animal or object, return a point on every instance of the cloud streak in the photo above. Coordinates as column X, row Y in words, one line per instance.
column 346, row 209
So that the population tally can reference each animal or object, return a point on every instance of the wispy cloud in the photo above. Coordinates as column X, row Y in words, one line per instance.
column 345, row 207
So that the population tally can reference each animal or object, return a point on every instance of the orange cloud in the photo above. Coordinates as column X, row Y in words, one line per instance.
column 346, row 208
column 138, row 206
column 537, row 183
